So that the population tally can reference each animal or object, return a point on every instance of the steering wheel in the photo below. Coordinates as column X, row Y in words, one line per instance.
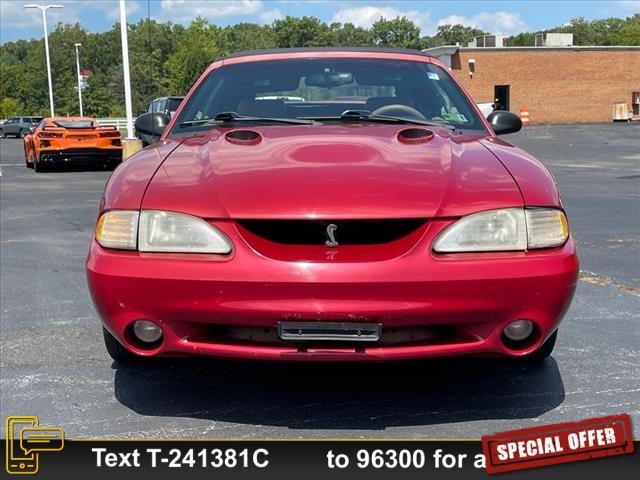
column 398, row 110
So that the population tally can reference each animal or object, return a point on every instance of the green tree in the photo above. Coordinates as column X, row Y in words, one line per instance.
column 583, row 32
column 348, row 35
column 599, row 32
column 399, row 32
column 246, row 36
column 9, row 107
column 606, row 29
column 63, row 66
column 98, row 100
column 524, row 39
column 197, row 48
column 455, row 34
column 629, row 33
column 292, row 32
column 150, row 45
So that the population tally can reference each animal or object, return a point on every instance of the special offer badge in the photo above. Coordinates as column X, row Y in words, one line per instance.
column 560, row 443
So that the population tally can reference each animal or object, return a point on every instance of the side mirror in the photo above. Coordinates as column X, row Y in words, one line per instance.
column 504, row 122
column 151, row 125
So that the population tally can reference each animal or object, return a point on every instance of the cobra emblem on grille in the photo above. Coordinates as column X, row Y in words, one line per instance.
column 331, row 228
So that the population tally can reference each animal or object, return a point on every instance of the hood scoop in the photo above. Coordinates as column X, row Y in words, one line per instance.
column 243, row 137
column 414, row 136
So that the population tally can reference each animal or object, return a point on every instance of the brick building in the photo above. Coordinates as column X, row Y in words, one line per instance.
column 565, row 84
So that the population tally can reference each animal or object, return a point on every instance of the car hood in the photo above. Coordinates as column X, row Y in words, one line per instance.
column 331, row 171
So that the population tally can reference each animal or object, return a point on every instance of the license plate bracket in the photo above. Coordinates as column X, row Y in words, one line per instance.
column 329, row 331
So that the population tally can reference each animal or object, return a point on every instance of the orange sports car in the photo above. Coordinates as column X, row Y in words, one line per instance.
column 63, row 140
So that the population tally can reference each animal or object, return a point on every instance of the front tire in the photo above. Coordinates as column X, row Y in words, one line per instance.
column 545, row 350
column 116, row 351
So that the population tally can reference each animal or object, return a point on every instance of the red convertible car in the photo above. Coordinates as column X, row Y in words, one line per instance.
column 332, row 205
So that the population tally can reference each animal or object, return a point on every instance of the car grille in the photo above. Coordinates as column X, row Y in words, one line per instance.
column 347, row 232
column 438, row 334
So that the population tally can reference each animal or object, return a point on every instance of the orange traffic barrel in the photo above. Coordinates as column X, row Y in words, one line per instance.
column 524, row 115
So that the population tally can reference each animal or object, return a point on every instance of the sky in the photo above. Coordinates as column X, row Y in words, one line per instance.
column 506, row 17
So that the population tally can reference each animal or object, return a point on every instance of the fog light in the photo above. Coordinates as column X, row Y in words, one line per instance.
column 518, row 330
column 146, row 331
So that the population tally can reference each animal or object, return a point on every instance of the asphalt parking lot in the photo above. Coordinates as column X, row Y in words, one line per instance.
column 53, row 363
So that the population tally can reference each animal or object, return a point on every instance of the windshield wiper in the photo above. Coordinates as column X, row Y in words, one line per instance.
column 365, row 115
column 230, row 117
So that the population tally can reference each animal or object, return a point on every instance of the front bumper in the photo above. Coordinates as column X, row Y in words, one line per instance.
column 470, row 297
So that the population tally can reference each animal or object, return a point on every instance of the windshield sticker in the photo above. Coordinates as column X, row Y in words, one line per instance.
column 454, row 117
column 433, row 76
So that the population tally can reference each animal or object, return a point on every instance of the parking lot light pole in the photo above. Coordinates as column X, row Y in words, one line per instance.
column 44, row 9
column 78, row 45
column 130, row 145
column 125, row 67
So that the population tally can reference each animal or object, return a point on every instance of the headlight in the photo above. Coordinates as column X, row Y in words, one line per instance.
column 504, row 230
column 157, row 231
column 118, row 229
column 494, row 230
column 176, row 232
column 546, row 227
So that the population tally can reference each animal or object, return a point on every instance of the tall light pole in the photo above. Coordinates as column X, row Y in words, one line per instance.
column 125, row 67
column 78, row 45
column 44, row 9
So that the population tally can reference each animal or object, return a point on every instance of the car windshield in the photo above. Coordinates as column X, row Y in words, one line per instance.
column 323, row 89
column 173, row 104
column 75, row 123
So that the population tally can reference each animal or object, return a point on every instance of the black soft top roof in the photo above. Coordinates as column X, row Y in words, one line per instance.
column 406, row 51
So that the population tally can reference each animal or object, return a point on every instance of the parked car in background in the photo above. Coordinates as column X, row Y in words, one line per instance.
column 19, row 126
column 63, row 140
column 166, row 105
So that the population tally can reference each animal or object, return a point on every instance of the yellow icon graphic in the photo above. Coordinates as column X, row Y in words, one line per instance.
column 25, row 440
